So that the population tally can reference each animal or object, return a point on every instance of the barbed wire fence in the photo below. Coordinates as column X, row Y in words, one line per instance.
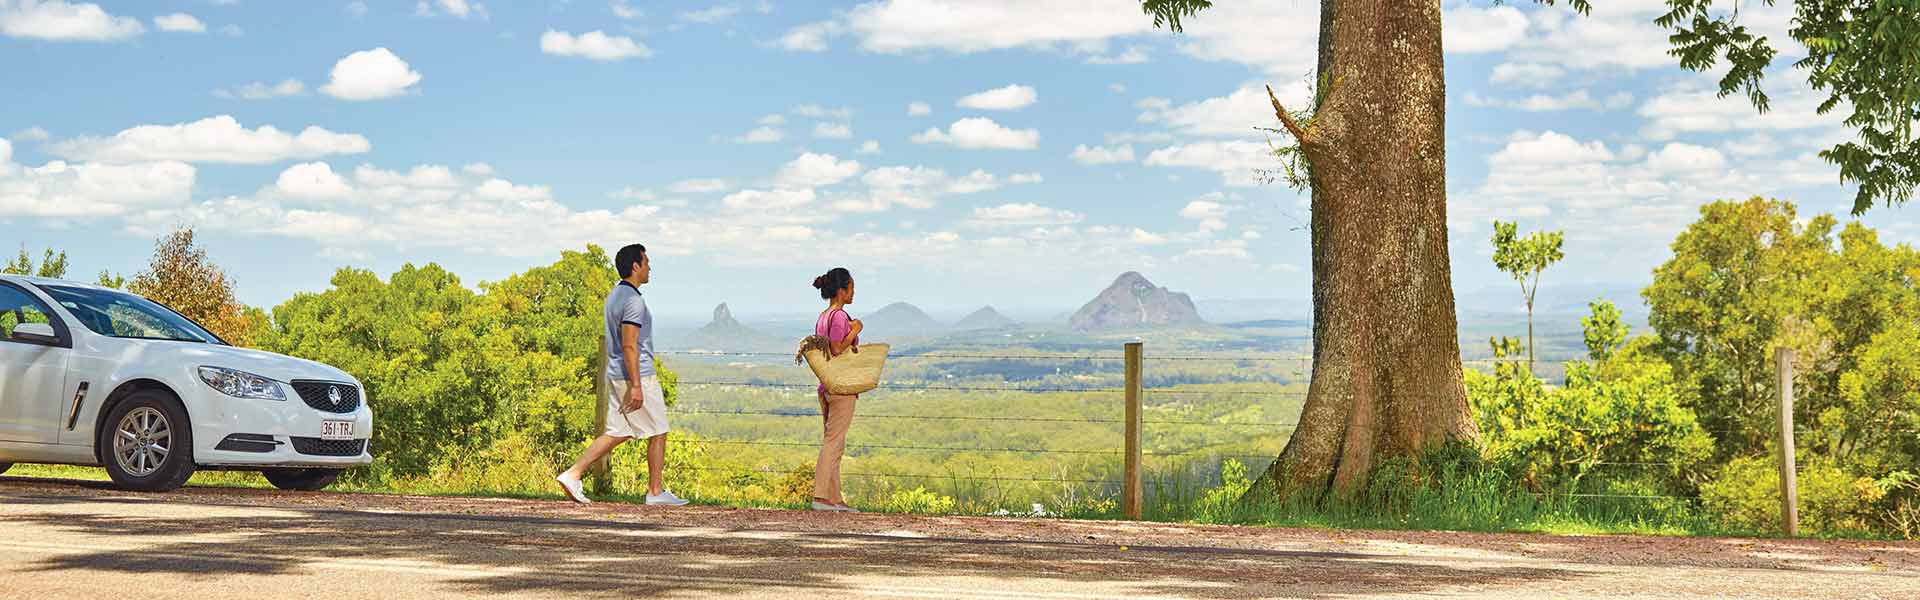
column 1207, row 455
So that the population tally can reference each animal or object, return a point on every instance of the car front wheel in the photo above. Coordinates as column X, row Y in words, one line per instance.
column 147, row 445
column 304, row 480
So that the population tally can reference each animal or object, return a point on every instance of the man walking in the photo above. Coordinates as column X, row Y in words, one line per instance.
column 636, row 407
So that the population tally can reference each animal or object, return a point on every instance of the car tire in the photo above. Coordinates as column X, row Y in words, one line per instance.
column 301, row 480
column 147, row 443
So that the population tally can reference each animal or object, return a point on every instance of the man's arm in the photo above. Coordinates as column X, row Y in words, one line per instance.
column 629, row 353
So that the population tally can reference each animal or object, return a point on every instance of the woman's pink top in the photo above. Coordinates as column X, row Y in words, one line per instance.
column 835, row 326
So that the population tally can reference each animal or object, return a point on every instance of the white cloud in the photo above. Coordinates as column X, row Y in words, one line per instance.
column 870, row 147
column 1133, row 56
column 422, row 176
column 1098, row 155
column 261, row 91
column 370, row 75
column 219, row 139
column 815, row 111
column 478, row 169
column 979, row 133
column 894, row 26
column 460, row 9
column 633, row 194
column 1527, row 74
column 1011, row 97
column 1686, row 158
column 919, row 109
column 918, row 187
column 1279, row 38
column 1236, row 114
column 761, row 135
column 1025, row 178
column 1020, row 215
column 1473, row 30
column 315, row 180
column 506, row 191
column 1234, row 249
column 811, row 37
column 1620, row 35
column 623, row 10
column 1550, row 148
column 59, row 190
column 811, row 170
column 1694, row 105
column 773, row 119
column 1619, row 198
column 1575, row 100
column 1145, row 238
column 712, row 14
column 231, row 30
column 1207, row 207
column 776, row 200
column 832, row 131
column 30, row 134
column 59, row 21
column 357, row 9
column 179, row 23
column 1234, row 160
column 594, row 45
column 700, row 186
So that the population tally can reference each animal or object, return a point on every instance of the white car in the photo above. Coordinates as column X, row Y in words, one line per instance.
column 95, row 376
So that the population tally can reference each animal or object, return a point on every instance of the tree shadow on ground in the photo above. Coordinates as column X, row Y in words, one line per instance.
column 501, row 554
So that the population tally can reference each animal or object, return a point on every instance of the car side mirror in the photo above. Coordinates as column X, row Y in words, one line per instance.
column 38, row 333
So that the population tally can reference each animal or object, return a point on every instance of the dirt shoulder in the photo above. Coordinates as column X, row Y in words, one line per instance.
column 1230, row 561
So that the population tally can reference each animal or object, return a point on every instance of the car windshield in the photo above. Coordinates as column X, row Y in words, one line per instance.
column 124, row 315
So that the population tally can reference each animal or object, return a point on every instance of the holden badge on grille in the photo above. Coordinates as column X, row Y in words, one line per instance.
column 333, row 394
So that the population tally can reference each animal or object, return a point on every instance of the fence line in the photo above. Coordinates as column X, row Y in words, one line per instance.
column 771, row 413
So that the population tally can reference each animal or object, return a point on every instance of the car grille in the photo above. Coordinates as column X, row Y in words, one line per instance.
column 320, row 447
column 316, row 394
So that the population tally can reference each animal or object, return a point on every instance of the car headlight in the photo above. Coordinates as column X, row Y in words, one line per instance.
column 241, row 384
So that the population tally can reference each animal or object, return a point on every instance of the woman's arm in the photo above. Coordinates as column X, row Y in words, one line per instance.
column 848, row 340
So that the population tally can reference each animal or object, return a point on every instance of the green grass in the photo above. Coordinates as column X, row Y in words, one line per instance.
column 1473, row 504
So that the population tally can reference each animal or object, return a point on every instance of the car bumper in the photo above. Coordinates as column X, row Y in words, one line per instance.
column 276, row 433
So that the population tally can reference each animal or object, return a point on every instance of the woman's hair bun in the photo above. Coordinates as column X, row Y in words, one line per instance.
column 820, row 282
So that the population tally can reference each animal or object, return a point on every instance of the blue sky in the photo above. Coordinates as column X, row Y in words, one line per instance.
column 954, row 153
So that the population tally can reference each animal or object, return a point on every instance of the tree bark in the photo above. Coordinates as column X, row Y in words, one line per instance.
column 1386, row 373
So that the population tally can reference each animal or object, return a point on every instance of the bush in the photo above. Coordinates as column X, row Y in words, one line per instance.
column 918, row 501
column 1746, row 495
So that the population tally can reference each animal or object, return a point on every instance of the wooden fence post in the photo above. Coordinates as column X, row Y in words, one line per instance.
column 602, row 471
column 1131, row 496
column 1789, row 492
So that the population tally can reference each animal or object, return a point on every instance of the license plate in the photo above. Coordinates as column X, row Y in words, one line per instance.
column 336, row 430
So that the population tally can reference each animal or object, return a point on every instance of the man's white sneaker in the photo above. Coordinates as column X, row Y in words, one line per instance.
column 571, row 485
column 824, row 507
column 666, row 498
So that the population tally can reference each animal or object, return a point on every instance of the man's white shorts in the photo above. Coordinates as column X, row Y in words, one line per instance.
column 649, row 420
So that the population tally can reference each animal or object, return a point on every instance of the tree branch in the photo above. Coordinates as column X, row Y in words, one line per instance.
column 1286, row 118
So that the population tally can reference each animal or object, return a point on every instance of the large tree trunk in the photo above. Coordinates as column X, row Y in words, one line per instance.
column 1386, row 371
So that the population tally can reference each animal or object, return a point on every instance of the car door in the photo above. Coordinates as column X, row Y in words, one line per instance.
column 32, row 374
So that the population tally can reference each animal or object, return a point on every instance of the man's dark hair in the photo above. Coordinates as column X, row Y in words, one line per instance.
column 629, row 256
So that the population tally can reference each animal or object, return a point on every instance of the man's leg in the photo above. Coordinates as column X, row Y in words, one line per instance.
column 600, row 447
column 656, row 460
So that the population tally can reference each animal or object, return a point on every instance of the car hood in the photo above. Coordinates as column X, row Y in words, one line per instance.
column 262, row 363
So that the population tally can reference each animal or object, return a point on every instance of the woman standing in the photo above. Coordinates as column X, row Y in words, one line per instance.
column 836, row 412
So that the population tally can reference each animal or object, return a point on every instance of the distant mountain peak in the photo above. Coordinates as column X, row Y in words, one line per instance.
column 985, row 318
column 1133, row 301
column 723, row 316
